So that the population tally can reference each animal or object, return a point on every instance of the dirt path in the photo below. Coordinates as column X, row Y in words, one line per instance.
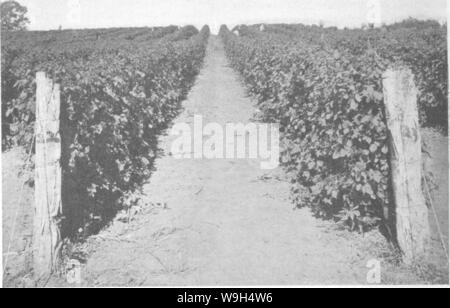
column 222, row 222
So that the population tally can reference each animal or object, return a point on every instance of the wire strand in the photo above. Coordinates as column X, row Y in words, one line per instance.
column 441, row 234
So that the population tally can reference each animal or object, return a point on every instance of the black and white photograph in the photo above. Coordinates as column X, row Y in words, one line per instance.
column 245, row 144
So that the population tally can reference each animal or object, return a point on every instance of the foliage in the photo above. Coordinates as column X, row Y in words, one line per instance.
column 419, row 45
column 328, row 100
column 117, row 96
column 13, row 16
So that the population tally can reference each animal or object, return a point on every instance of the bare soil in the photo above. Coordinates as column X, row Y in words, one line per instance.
column 17, row 219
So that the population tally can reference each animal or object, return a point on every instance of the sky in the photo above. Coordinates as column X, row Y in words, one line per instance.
column 75, row 14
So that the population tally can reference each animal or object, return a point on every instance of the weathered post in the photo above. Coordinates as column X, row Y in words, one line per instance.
column 400, row 98
column 46, row 234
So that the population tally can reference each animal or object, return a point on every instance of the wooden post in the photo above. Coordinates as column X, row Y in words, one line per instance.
column 46, row 233
column 400, row 98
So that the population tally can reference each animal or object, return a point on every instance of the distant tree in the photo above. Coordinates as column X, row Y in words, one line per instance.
column 414, row 23
column 13, row 16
